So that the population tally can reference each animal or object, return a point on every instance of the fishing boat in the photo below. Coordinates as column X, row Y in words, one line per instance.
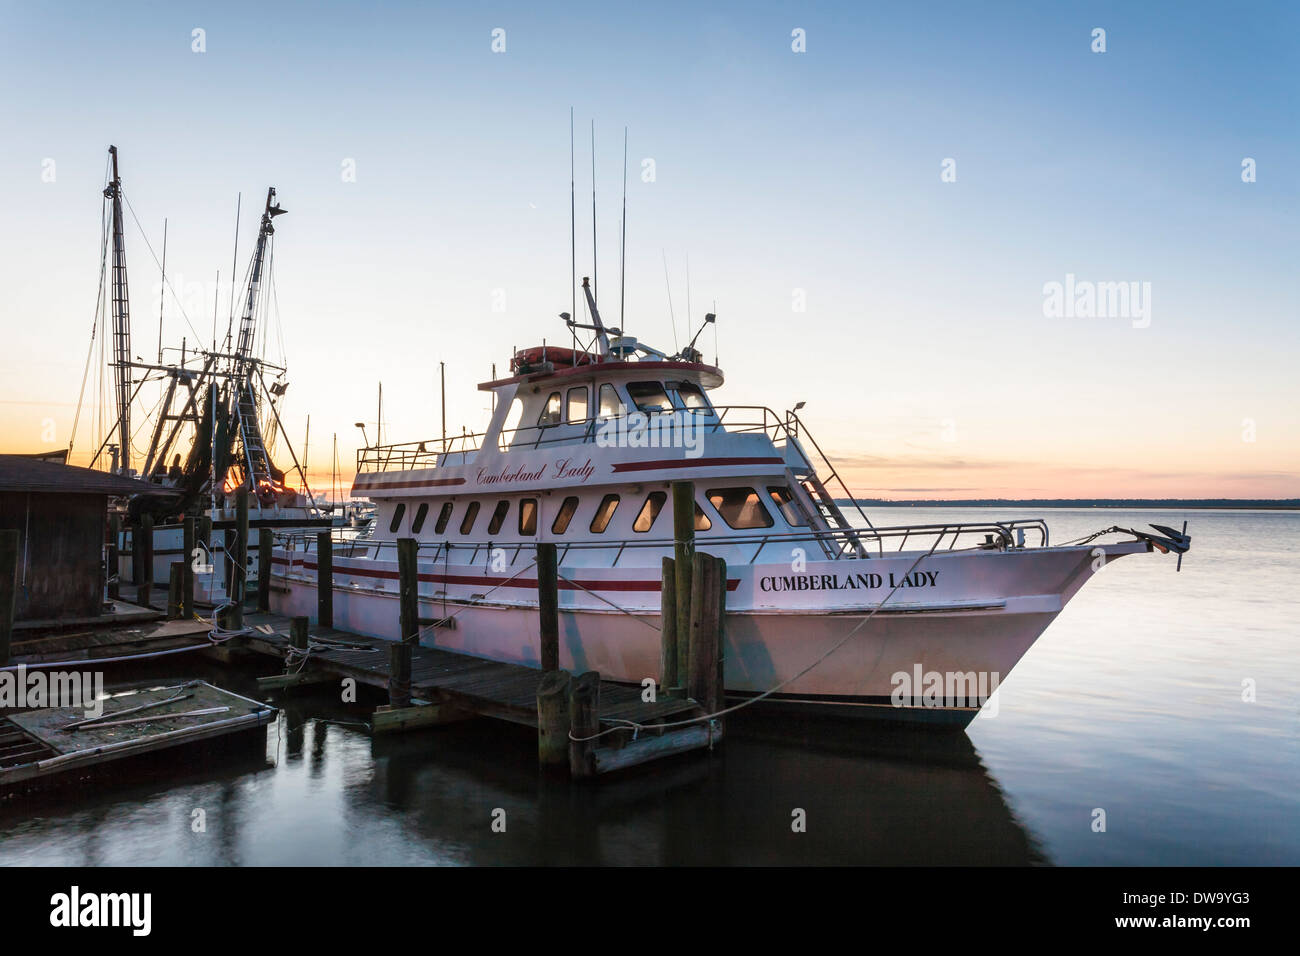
column 212, row 423
column 825, row 612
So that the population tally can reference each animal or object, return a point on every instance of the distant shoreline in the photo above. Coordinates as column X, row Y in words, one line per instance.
column 1241, row 504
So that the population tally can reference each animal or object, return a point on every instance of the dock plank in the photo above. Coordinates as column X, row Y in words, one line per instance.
column 491, row 688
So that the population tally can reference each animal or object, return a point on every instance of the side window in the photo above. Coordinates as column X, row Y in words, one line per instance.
column 398, row 515
column 702, row 522
column 498, row 516
column 741, row 508
column 551, row 412
column 606, row 511
column 692, row 398
column 467, row 522
column 420, row 514
column 785, row 503
column 443, row 517
column 609, row 403
column 528, row 516
column 564, row 516
column 575, row 405
column 645, row 519
column 649, row 397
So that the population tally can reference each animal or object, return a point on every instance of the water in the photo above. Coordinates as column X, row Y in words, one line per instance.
column 1131, row 703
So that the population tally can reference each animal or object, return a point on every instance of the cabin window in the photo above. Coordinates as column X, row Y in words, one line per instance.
column 692, row 397
column 605, row 512
column 645, row 519
column 420, row 514
column 702, row 522
column 551, row 411
column 741, row 508
column 528, row 516
column 610, row 406
column 398, row 515
column 564, row 516
column 785, row 503
column 443, row 517
column 649, row 396
column 575, row 405
column 498, row 516
column 467, row 522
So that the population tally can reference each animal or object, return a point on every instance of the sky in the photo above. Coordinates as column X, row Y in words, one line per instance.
column 878, row 219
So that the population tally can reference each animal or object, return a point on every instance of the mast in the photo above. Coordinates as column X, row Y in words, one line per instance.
column 121, row 321
column 247, row 322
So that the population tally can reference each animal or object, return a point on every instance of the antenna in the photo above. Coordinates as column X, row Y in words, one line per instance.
column 573, row 235
column 234, row 265
column 669, row 286
column 162, row 291
column 594, row 284
column 688, row 298
column 622, row 254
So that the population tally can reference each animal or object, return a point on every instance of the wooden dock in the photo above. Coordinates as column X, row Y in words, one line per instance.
column 446, row 686
column 108, row 642
column 49, row 741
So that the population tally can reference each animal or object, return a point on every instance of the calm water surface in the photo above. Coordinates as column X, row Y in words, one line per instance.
column 1131, row 702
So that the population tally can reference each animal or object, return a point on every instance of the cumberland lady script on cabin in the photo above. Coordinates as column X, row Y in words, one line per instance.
column 823, row 613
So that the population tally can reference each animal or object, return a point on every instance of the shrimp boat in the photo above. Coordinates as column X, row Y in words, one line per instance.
column 214, row 412
column 825, row 613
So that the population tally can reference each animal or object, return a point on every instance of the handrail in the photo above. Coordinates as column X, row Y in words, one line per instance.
column 435, row 452
column 999, row 535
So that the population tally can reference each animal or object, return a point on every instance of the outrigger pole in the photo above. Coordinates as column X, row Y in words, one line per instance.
column 121, row 321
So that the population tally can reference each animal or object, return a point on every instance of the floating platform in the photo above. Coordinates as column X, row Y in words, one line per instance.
column 50, row 741
column 446, row 686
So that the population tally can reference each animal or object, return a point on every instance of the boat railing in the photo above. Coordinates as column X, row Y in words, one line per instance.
column 458, row 449
column 951, row 536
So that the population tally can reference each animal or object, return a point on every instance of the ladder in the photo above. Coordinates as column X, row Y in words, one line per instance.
column 257, row 466
column 830, row 512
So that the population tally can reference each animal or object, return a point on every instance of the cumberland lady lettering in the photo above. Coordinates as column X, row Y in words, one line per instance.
column 847, row 582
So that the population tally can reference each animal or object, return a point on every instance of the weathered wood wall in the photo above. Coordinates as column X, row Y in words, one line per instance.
column 59, row 568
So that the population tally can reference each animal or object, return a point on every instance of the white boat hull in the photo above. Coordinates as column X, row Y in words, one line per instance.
column 975, row 616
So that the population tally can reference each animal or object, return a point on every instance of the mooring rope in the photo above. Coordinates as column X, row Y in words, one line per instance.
column 635, row 617
column 636, row 727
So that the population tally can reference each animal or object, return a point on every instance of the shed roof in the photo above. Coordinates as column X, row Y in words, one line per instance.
column 23, row 473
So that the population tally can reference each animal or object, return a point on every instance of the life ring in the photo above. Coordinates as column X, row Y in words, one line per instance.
column 527, row 360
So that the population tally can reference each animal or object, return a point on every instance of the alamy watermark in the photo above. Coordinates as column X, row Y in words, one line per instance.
column 21, row 689
column 922, row 688
column 1084, row 299
column 674, row 429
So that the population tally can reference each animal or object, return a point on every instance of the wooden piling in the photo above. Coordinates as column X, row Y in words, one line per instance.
column 683, row 549
column 8, row 589
column 265, row 542
column 668, row 626
column 187, row 570
column 548, row 607
column 239, row 581
column 584, row 722
column 325, row 578
column 702, row 667
column 175, row 590
column 399, row 674
column 144, row 548
column 114, row 555
column 408, row 590
column 721, row 701
column 553, row 719
column 298, row 633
